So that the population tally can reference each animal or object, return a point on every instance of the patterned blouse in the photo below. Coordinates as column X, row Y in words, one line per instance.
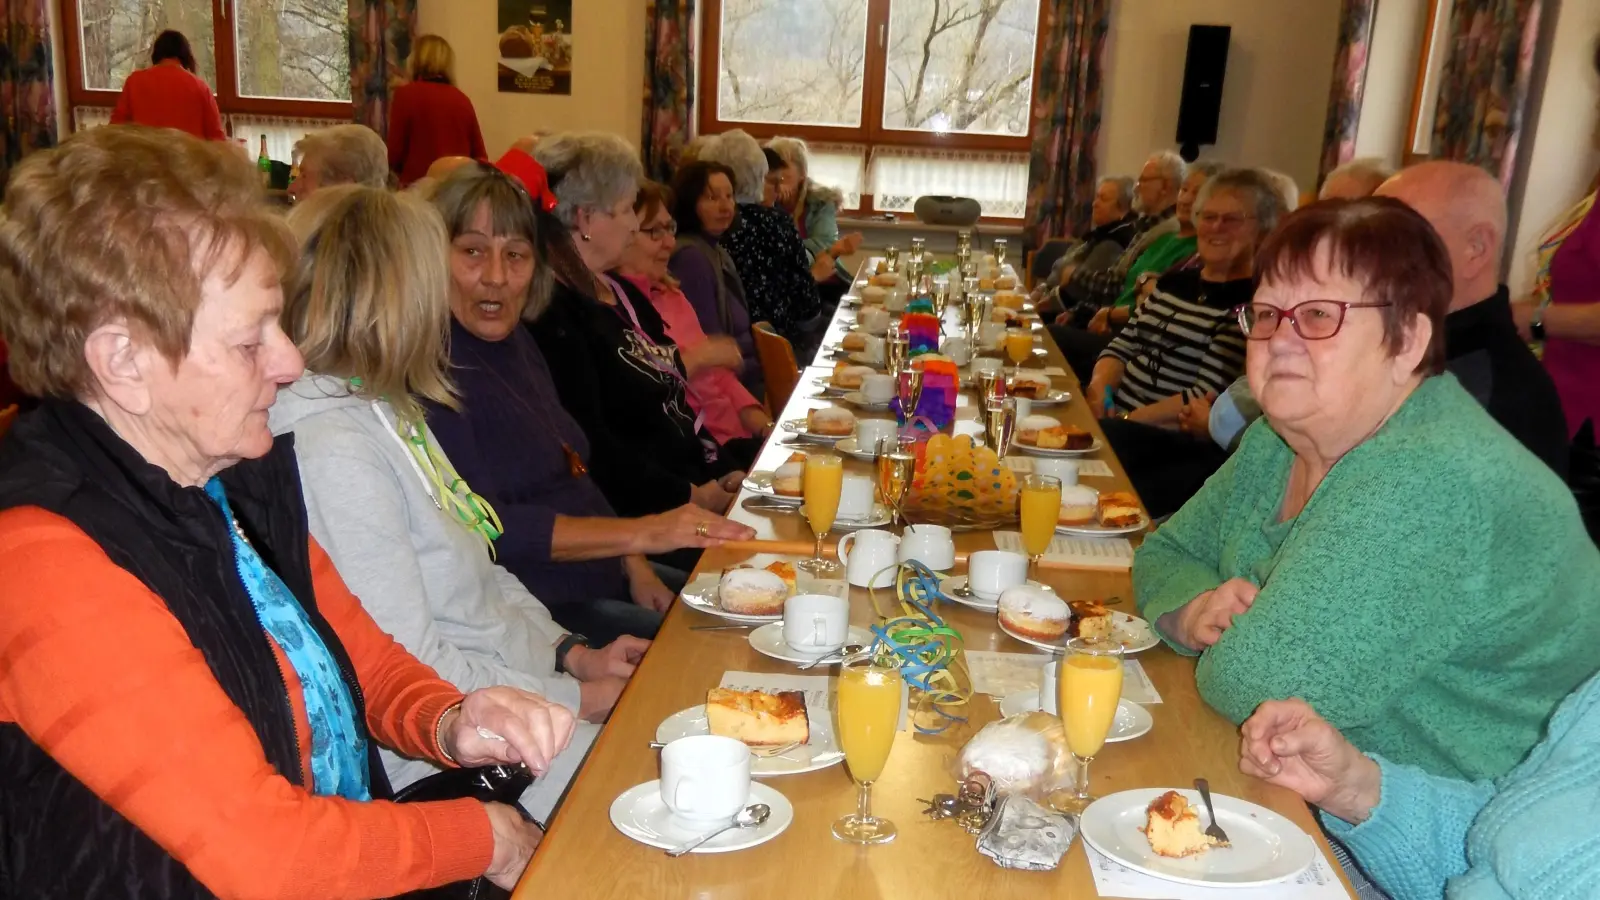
column 774, row 269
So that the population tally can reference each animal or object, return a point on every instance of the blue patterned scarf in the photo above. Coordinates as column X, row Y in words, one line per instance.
column 338, row 747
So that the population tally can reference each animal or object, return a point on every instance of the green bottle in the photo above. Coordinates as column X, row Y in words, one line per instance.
column 264, row 163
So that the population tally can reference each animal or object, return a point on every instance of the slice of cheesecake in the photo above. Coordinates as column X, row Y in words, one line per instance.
column 1173, row 828
column 757, row 718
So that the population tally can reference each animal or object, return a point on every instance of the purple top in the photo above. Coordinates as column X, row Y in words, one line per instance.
column 698, row 276
column 1575, row 367
column 506, row 441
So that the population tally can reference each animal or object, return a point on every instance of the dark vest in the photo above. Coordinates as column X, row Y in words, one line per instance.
column 57, row 838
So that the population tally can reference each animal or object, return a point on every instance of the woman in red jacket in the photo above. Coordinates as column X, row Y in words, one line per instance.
column 430, row 117
column 169, row 94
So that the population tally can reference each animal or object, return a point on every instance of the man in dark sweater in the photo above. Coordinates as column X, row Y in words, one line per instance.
column 1467, row 206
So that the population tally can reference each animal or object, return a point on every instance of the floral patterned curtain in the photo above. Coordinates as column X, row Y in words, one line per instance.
column 1483, row 91
column 1066, row 110
column 27, row 80
column 669, row 84
column 381, row 32
column 1349, row 85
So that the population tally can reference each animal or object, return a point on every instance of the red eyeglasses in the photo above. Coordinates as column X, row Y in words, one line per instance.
column 1314, row 320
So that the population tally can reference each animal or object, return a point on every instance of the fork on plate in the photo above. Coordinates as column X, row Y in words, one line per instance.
column 1213, row 831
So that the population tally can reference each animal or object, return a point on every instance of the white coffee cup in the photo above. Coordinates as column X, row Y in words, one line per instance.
column 816, row 623
column 855, row 498
column 931, row 545
column 705, row 777
column 1064, row 469
column 1024, row 407
column 878, row 388
column 989, row 572
column 873, row 351
column 959, row 351
column 986, row 364
column 991, row 334
column 873, row 321
column 869, row 557
column 1047, row 685
column 870, row 431
column 896, row 301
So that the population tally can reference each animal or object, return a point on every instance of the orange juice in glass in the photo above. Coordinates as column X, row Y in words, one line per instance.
column 868, row 710
column 1040, row 502
column 1088, row 689
column 822, row 482
column 1019, row 345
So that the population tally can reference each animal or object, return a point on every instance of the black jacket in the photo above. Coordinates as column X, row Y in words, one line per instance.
column 57, row 838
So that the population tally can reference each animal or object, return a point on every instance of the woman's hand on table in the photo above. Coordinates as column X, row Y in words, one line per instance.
column 515, row 839
column 617, row 659
column 597, row 697
column 1200, row 623
column 1286, row 743
column 679, row 528
column 535, row 729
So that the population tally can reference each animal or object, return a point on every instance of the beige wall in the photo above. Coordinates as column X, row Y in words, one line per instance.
column 1275, row 98
column 1391, row 75
column 607, row 77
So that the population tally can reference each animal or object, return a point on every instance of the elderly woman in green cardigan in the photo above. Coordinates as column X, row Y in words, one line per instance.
column 1377, row 545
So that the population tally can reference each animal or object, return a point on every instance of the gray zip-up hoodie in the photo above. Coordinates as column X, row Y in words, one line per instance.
column 421, row 575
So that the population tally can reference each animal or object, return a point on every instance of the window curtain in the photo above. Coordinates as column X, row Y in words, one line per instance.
column 1483, row 90
column 998, row 181
column 1349, row 85
column 27, row 81
column 669, row 84
column 1066, row 113
column 381, row 32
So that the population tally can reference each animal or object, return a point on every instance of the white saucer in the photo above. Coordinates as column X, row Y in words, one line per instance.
column 1134, row 633
column 1266, row 847
column 1041, row 451
column 852, row 448
column 799, row 426
column 860, row 358
column 877, row 519
column 700, row 594
column 975, row 602
column 820, row 752
column 1054, row 398
column 1094, row 530
column 1132, row 720
column 768, row 641
column 856, row 398
column 640, row 814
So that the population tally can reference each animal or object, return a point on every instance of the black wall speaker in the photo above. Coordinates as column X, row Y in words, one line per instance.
column 1203, row 71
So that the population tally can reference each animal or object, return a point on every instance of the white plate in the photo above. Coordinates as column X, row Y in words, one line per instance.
column 701, row 593
column 1132, row 720
column 1040, row 451
column 852, row 448
column 832, row 390
column 856, row 398
column 798, row 426
column 1267, row 848
column 1054, row 398
column 761, row 483
column 820, row 752
column 861, row 358
column 1094, row 530
column 1134, row 633
column 640, row 814
column 878, row 518
column 975, row 602
column 768, row 641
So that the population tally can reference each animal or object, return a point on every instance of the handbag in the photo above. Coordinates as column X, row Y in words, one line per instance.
column 487, row 784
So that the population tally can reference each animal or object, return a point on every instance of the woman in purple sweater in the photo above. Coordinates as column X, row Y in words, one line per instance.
column 704, row 209
column 513, row 441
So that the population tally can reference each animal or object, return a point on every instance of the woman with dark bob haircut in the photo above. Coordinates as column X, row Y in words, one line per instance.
column 171, row 93
column 1378, row 545
column 704, row 209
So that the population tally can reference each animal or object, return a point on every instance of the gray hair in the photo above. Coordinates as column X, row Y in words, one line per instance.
column 592, row 170
column 1287, row 187
column 739, row 151
column 347, row 154
column 1206, row 167
column 794, row 152
column 1172, row 166
column 1371, row 170
column 1124, row 186
column 1262, row 191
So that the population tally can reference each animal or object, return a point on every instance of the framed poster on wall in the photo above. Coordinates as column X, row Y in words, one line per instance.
column 536, row 46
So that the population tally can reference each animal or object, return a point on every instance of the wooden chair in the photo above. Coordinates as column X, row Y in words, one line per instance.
column 778, row 367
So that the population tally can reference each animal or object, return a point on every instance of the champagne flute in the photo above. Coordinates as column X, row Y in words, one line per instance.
column 909, row 385
column 918, row 250
column 1039, row 503
column 868, row 710
column 963, row 241
column 999, row 252
column 1088, row 688
column 895, row 471
column 941, row 299
column 891, row 256
column 822, row 482
column 988, row 382
column 1000, row 424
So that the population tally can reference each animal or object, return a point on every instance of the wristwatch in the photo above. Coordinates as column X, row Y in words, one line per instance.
column 565, row 647
column 1536, row 326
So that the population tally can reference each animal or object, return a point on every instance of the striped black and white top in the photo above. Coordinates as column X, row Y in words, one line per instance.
column 1183, row 340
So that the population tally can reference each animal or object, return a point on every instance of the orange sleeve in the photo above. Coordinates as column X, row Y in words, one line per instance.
column 96, row 671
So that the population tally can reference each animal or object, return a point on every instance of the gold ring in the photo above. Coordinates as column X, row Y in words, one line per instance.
column 703, row 529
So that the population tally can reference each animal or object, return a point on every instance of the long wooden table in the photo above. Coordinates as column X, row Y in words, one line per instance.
column 584, row 856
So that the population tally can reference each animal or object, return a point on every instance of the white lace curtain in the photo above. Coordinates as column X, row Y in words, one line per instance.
column 282, row 134
column 897, row 176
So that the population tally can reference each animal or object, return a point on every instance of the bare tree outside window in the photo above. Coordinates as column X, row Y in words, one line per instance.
column 960, row 66
column 117, row 35
column 794, row 62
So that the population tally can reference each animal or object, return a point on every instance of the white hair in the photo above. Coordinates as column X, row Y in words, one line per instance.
column 794, row 152
column 592, row 170
column 1124, row 186
column 346, row 154
column 1287, row 186
column 1262, row 190
column 739, row 151
column 1371, row 170
column 1171, row 165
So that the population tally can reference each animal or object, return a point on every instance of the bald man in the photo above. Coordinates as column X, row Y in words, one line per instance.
column 1467, row 207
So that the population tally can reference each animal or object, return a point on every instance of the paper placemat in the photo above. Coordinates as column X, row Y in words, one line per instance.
column 1087, row 553
column 1001, row 674
column 1113, row 879
column 1093, row 468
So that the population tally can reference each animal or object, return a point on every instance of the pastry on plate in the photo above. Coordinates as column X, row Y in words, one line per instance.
column 986, row 283
column 1005, row 283
column 1029, row 384
column 873, row 293
column 886, row 280
column 883, row 266
column 849, row 375
column 1034, row 612
column 1079, row 505
column 1029, row 429
column 832, row 422
column 784, row 570
column 1091, row 620
column 756, row 718
column 873, row 320
column 788, row 480
column 1173, row 829
column 752, row 592
column 854, row 340
column 1119, row 509
column 1005, row 298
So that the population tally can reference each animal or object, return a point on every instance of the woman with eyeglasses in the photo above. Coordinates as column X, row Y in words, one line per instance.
column 713, row 363
column 1155, row 381
column 1377, row 546
column 704, row 209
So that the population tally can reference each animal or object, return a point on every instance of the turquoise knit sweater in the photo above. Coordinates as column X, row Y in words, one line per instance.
column 1435, row 600
column 1531, row 835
